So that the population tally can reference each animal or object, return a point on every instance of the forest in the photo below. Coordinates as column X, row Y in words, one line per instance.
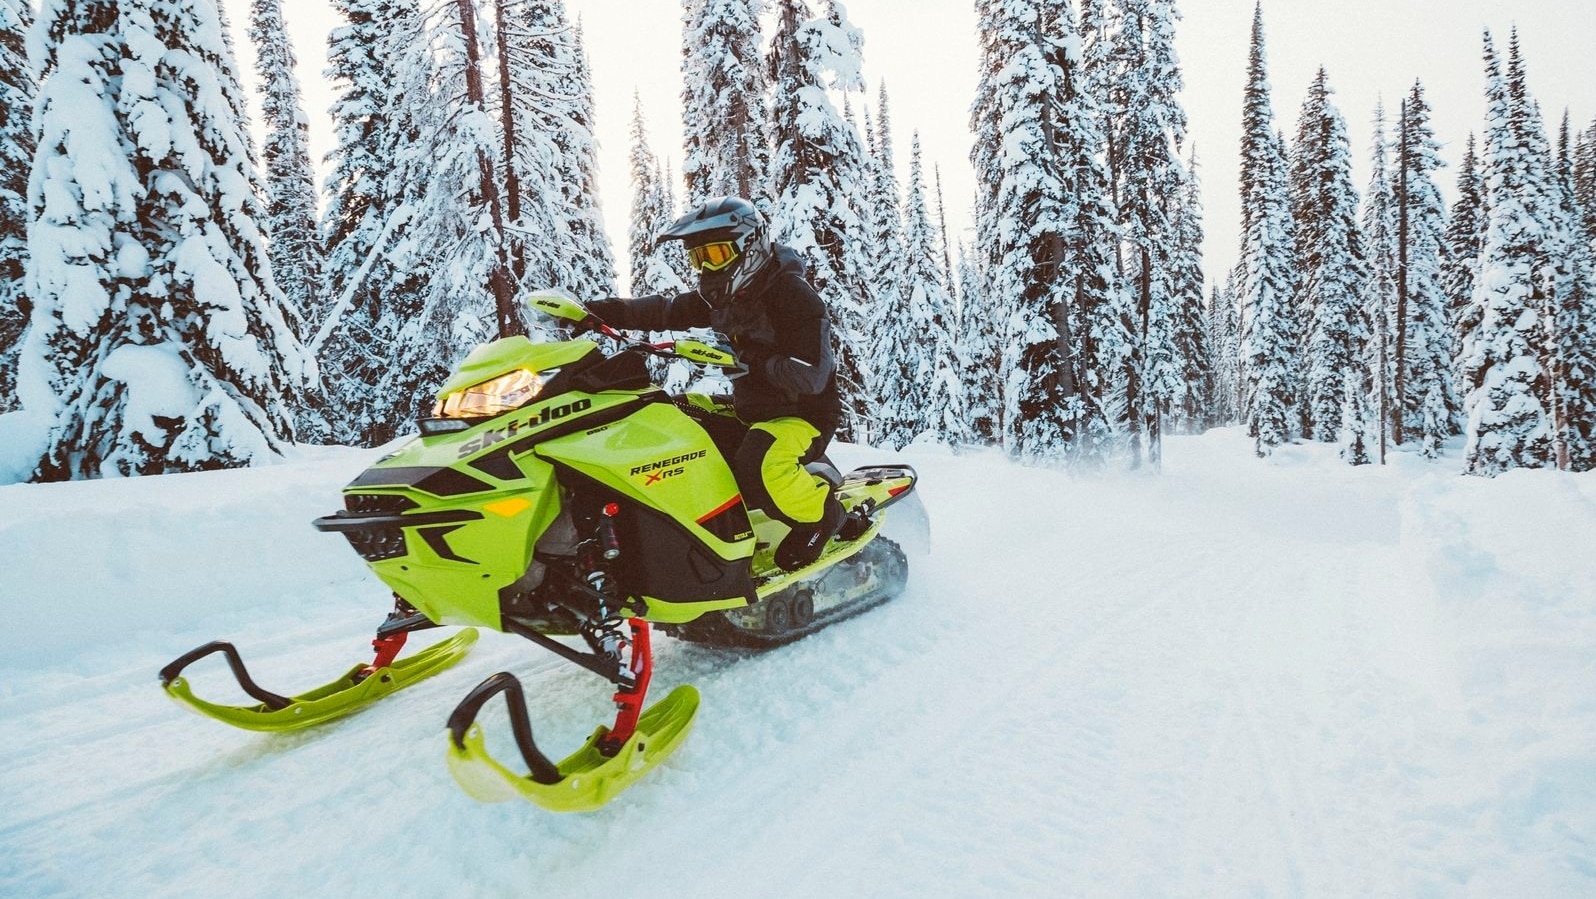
column 174, row 297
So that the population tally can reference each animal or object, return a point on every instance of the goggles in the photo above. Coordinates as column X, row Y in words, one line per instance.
column 712, row 257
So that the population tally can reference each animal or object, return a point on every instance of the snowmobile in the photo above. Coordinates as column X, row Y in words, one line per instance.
column 555, row 493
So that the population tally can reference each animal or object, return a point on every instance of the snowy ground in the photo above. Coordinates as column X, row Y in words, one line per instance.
column 1283, row 678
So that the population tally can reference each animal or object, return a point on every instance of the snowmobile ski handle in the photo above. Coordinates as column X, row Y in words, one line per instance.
column 465, row 714
column 271, row 700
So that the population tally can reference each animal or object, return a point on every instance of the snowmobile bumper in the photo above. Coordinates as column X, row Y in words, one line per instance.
column 360, row 686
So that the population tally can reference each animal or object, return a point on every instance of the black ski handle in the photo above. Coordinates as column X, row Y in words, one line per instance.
column 465, row 714
column 271, row 700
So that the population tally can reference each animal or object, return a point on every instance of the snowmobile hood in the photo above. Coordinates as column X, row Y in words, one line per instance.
column 493, row 359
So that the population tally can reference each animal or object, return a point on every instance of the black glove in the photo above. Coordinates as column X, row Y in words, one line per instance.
column 751, row 357
column 587, row 325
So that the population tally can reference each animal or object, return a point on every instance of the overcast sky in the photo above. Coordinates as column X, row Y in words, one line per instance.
column 925, row 51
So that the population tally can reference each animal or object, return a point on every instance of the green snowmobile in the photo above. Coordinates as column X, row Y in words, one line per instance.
column 557, row 492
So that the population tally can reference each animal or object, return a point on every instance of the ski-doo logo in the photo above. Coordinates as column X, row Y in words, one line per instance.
column 515, row 428
column 667, row 468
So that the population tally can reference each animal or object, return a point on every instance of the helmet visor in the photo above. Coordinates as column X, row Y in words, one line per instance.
column 712, row 257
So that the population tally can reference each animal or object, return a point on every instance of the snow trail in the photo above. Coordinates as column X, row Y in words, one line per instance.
column 1282, row 678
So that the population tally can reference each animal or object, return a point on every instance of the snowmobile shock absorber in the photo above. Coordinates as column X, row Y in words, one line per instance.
column 629, row 700
column 609, row 543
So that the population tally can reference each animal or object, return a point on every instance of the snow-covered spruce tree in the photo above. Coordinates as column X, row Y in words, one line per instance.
column 651, row 213
column 886, row 269
column 16, row 157
column 377, row 365
column 1353, row 433
column 980, row 351
column 1465, row 231
column 546, row 83
column 291, row 229
column 1331, row 260
column 1585, row 180
column 1380, row 288
column 1264, row 278
column 1424, row 334
column 1574, row 323
column 159, row 338
column 1046, row 231
column 1194, row 352
column 1224, row 337
column 1147, row 126
column 922, row 392
column 1508, row 423
column 727, row 130
column 817, row 171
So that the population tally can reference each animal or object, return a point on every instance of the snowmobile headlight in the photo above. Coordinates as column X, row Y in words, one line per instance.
column 495, row 397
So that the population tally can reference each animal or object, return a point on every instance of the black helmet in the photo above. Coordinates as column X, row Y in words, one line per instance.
column 727, row 242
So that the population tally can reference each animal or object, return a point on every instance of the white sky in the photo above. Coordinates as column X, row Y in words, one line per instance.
column 925, row 51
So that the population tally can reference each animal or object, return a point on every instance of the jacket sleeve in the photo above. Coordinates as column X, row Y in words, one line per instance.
column 653, row 313
column 801, row 362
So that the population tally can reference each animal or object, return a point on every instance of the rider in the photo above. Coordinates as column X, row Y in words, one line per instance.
column 785, row 389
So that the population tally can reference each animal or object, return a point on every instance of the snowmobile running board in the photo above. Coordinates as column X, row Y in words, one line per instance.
column 609, row 762
column 358, row 687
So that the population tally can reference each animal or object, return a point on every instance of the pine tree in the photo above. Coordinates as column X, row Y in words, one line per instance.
column 1574, row 322
column 1264, row 280
column 161, row 334
column 1424, row 344
column 1508, row 424
column 1465, row 232
column 1354, row 428
column 817, row 171
column 291, row 228
column 1194, row 349
column 885, row 270
column 1585, row 180
column 727, row 129
column 1143, row 83
column 1224, row 336
column 980, row 351
column 579, row 152
column 377, row 366
column 1380, row 289
column 1331, row 259
column 1047, row 232
column 651, row 214
column 17, row 88
column 921, row 389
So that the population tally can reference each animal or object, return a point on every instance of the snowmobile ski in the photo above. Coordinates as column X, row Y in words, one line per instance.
column 360, row 686
column 609, row 762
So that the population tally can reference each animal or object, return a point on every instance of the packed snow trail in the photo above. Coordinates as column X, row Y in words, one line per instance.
column 1237, row 677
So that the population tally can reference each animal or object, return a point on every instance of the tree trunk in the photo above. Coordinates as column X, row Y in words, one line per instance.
column 499, row 278
column 1400, row 405
column 512, row 180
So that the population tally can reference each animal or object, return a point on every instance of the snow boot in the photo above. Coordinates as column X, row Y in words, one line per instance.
column 804, row 544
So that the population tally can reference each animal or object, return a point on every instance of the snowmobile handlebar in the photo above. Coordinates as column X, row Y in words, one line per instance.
column 560, row 304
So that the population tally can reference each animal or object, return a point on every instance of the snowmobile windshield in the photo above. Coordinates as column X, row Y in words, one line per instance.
column 497, row 396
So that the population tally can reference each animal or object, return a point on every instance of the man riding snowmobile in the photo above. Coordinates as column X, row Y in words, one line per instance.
column 785, row 393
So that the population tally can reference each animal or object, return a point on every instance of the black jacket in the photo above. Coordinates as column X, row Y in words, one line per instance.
column 777, row 324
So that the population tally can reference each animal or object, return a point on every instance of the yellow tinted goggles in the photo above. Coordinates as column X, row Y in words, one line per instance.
column 712, row 257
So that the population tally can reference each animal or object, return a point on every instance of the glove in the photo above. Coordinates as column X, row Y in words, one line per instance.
column 750, row 358
column 587, row 325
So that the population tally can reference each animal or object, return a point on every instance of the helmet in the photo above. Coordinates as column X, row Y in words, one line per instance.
column 727, row 242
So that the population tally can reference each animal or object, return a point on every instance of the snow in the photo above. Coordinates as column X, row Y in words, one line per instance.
column 1263, row 677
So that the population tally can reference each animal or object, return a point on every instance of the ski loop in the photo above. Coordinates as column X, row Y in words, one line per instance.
column 234, row 661
column 465, row 714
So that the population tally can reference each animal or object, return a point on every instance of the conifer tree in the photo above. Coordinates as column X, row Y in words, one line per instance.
column 1585, row 180
column 1508, row 423
column 161, row 337
column 921, row 382
column 651, row 214
column 1224, row 337
column 727, row 130
column 376, row 364
column 1574, row 322
column 885, row 269
column 1465, row 231
column 1354, row 429
column 1380, row 289
column 17, row 88
column 1047, row 232
column 817, row 172
column 1331, row 260
column 980, row 351
column 1194, row 350
column 290, row 223
column 1264, row 279
column 1424, row 342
